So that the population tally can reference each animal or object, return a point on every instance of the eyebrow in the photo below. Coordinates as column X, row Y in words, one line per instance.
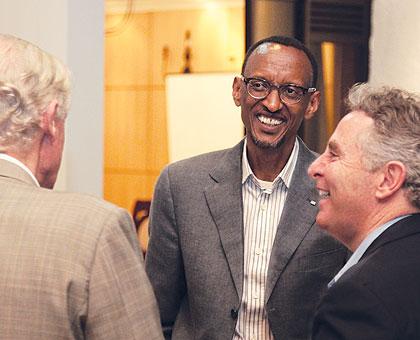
column 333, row 146
column 281, row 84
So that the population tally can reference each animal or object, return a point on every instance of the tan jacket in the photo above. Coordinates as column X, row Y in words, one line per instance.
column 70, row 266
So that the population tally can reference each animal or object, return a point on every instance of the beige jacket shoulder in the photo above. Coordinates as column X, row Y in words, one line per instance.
column 70, row 266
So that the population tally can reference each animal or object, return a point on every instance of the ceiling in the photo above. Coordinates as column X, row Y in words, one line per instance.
column 121, row 6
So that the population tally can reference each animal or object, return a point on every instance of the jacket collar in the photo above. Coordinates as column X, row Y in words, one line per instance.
column 401, row 229
column 13, row 171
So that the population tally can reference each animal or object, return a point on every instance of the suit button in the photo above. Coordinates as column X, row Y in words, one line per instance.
column 234, row 313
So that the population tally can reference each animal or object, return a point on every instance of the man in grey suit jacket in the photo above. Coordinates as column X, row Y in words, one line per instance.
column 70, row 265
column 233, row 251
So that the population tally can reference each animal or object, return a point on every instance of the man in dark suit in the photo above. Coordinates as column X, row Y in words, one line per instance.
column 234, row 252
column 369, row 181
column 70, row 264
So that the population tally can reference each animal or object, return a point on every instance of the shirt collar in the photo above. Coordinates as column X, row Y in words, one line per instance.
column 18, row 163
column 361, row 249
column 285, row 174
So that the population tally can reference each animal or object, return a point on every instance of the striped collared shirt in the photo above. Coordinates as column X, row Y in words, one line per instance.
column 263, row 204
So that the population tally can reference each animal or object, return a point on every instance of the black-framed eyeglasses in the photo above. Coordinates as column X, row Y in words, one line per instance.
column 289, row 93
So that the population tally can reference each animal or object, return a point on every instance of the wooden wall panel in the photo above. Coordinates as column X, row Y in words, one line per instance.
column 217, row 40
column 136, row 62
column 125, row 188
column 126, row 52
column 127, row 127
column 158, row 146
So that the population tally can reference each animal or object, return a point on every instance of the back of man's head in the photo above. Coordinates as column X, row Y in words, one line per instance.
column 30, row 79
column 396, row 134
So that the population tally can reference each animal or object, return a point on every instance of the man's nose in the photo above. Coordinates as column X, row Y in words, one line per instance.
column 314, row 169
column 273, row 102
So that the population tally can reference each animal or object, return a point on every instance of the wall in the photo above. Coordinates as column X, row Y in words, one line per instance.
column 210, row 122
column 395, row 47
column 72, row 30
column 138, row 58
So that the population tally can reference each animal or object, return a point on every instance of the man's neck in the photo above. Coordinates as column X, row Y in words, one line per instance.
column 267, row 163
column 382, row 216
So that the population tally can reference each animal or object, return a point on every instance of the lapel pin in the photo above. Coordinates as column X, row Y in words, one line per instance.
column 312, row 202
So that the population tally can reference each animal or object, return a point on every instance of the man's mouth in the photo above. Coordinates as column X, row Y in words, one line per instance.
column 323, row 194
column 269, row 121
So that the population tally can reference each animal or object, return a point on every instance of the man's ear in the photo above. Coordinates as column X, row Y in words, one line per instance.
column 313, row 105
column 49, row 117
column 393, row 175
column 236, row 91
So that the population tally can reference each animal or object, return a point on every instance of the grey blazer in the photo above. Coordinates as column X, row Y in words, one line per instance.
column 195, row 254
column 70, row 266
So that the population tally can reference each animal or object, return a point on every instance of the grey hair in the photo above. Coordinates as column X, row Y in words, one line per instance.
column 396, row 133
column 29, row 80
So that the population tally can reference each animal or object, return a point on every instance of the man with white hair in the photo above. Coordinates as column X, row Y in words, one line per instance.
column 70, row 265
column 369, row 183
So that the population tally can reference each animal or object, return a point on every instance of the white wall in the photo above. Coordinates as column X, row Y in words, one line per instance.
column 72, row 30
column 202, row 115
column 395, row 44
column 85, row 126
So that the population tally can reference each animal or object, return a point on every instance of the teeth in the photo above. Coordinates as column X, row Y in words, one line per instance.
column 269, row 121
column 323, row 194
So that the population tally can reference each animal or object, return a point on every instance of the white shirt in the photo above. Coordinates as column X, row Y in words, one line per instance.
column 263, row 204
column 20, row 165
column 361, row 249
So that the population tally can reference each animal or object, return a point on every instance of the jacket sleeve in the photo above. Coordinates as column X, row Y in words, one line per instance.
column 350, row 310
column 164, row 263
column 121, row 303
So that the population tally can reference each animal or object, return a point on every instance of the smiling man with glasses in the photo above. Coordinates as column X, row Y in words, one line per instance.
column 234, row 252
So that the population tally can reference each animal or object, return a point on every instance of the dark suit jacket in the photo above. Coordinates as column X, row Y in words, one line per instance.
column 379, row 297
column 195, row 254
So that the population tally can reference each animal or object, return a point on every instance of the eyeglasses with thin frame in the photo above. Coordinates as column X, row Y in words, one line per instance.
column 289, row 93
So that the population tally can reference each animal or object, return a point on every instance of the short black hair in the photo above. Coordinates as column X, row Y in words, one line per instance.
column 286, row 41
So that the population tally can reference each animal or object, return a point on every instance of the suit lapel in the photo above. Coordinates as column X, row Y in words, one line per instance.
column 298, row 216
column 224, row 198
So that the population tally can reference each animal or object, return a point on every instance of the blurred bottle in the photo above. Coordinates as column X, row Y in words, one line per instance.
column 187, row 53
